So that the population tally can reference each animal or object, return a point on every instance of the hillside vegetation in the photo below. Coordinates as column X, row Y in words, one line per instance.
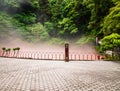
column 59, row 20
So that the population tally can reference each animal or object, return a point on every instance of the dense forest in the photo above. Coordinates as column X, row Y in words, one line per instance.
column 61, row 20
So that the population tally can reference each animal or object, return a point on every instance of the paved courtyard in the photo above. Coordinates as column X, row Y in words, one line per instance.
column 39, row 75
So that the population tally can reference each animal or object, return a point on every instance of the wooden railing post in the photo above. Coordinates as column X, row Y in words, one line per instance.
column 66, row 52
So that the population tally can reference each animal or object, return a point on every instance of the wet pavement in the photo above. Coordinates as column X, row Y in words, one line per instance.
column 41, row 75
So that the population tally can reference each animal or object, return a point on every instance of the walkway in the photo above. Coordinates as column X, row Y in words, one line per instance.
column 39, row 75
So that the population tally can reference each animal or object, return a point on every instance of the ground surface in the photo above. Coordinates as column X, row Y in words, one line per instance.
column 37, row 75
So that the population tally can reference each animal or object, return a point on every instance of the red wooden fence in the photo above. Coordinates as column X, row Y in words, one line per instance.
column 50, row 55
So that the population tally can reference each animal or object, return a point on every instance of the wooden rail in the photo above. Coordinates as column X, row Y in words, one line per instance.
column 50, row 55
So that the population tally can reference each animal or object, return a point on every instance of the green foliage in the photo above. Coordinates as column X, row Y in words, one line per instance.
column 13, row 3
column 14, row 49
column 38, row 31
column 9, row 49
column 57, row 41
column 35, row 4
column 110, row 42
column 49, row 28
column 16, row 3
column 44, row 12
column 56, row 8
column 6, row 49
column 70, row 9
column 69, row 28
column 18, row 48
column 29, row 18
column 3, row 48
column 99, row 9
column 111, row 23
column 5, row 20
column 7, row 25
column 84, row 40
column 78, row 13
column 37, row 20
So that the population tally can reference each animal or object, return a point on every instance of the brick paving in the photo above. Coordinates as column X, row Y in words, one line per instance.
column 39, row 75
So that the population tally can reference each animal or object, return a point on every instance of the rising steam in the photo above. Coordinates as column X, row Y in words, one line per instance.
column 9, row 38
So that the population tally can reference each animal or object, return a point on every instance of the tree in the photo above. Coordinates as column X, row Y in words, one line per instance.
column 111, row 23
column 8, row 51
column 78, row 14
column 67, row 27
column 99, row 9
column 27, row 19
column 50, row 28
column 38, row 31
column 14, row 49
column 44, row 12
column 110, row 42
column 4, row 50
column 18, row 49
column 56, row 7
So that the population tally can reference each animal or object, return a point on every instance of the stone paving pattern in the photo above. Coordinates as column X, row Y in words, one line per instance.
column 41, row 75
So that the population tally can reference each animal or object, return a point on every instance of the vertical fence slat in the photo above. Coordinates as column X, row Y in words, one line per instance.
column 50, row 55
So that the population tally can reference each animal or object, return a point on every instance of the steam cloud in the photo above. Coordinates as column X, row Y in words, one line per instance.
column 10, row 38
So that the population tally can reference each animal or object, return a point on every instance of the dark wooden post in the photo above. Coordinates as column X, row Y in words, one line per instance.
column 96, row 41
column 66, row 52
